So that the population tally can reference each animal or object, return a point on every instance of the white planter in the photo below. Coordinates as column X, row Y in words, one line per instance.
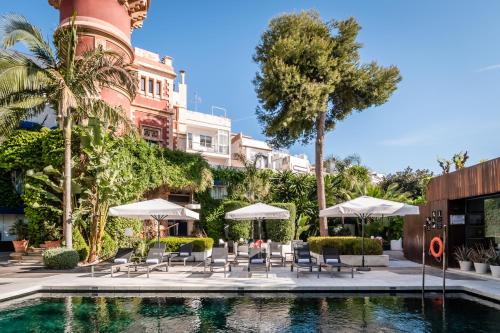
column 481, row 268
column 465, row 265
column 356, row 260
column 495, row 271
column 200, row 256
column 397, row 245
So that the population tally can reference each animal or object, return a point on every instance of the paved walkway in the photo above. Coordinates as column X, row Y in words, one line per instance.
column 402, row 275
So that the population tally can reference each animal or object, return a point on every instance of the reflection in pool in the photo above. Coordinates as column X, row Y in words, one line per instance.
column 250, row 313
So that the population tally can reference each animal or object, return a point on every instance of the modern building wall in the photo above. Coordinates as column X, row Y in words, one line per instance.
column 456, row 194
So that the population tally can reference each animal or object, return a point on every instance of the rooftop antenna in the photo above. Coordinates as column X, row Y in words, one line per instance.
column 196, row 101
column 220, row 109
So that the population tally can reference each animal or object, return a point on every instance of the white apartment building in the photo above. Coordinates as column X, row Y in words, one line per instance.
column 249, row 148
column 295, row 163
column 197, row 132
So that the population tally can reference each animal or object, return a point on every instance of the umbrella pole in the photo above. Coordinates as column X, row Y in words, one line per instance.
column 363, row 267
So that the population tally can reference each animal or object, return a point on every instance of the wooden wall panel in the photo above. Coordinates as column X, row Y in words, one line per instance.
column 480, row 179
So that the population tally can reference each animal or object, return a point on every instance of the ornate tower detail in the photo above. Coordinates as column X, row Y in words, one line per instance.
column 106, row 23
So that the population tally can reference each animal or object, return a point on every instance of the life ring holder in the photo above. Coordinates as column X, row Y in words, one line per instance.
column 437, row 255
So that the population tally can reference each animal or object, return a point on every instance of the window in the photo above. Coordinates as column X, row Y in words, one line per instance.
column 223, row 138
column 205, row 141
column 151, row 86
column 143, row 84
column 190, row 140
column 158, row 88
column 151, row 133
column 218, row 192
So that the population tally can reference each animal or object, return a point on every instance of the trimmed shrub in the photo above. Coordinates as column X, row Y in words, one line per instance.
column 172, row 244
column 80, row 245
column 108, row 247
column 213, row 222
column 281, row 230
column 236, row 229
column 346, row 245
column 60, row 258
column 115, row 227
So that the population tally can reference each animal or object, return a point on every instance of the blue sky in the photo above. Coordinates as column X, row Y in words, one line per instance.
column 448, row 53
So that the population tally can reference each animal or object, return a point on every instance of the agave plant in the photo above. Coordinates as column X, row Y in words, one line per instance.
column 463, row 253
column 482, row 254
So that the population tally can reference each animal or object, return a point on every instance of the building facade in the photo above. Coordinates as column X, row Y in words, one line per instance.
column 245, row 148
column 467, row 201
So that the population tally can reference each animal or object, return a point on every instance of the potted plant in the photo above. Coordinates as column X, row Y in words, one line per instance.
column 480, row 257
column 495, row 265
column 463, row 256
column 20, row 230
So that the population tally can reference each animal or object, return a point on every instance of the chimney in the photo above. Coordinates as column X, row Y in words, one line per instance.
column 182, row 79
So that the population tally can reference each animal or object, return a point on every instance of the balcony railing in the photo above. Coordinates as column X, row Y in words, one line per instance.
column 216, row 149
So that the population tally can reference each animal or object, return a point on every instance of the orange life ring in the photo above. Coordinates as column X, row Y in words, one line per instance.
column 433, row 252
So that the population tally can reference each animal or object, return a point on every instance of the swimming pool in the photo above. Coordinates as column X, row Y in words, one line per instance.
column 251, row 313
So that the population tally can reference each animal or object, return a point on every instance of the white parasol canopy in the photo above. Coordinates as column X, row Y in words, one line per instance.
column 258, row 211
column 366, row 206
column 157, row 209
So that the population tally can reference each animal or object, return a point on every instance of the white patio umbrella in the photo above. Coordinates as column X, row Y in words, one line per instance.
column 365, row 207
column 260, row 212
column 157, row 209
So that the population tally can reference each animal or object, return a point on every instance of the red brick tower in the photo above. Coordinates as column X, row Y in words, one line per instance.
column 108, row 23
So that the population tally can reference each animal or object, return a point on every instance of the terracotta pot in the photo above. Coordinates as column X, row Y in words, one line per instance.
column 52, row 244
column 465, row 265
column 481, row 268
column 20, row 245
column 495, row 271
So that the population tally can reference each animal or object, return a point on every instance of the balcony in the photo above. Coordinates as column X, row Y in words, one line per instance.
column 207, row 148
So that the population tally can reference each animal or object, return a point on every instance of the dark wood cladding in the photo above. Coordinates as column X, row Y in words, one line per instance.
column 480, row 179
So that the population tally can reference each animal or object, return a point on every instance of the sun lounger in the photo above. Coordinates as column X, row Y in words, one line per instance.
column 276, row 253
column 218, row 259
column 185, row 253
column 241, row 253
column 331, row 260
column 258, row 260
column 154, row 260
column 302, row 259
column 122, row 259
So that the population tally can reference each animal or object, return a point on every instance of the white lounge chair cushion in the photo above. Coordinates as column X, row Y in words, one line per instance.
column 153, row 261
column 332, row 261
column 243, row 254
column 257, row 261
column 276, row 253
column 184, row 254
column 303, row 260
column 120, row 261
column 220, row 261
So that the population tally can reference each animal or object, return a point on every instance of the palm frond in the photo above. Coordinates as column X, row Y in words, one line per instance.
column 16, row 29
column 11, row 117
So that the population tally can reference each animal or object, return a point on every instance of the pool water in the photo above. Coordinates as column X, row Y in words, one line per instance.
column 247, row 313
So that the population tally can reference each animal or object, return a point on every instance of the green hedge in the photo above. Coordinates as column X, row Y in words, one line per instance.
column 281, row 230
column 115, row 227
column 213, row 220
column 108, row 247
column 60, row 258
column 237, row 228
column 174, row 243
column 80, row 245
column 345, row 245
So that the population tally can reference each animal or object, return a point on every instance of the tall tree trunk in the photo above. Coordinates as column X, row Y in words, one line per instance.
column 67, row 224
column 320, row 180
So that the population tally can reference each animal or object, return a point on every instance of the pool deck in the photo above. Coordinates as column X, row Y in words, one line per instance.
column 400, row 276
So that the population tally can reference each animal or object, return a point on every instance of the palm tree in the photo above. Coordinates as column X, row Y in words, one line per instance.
column 63, row 78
